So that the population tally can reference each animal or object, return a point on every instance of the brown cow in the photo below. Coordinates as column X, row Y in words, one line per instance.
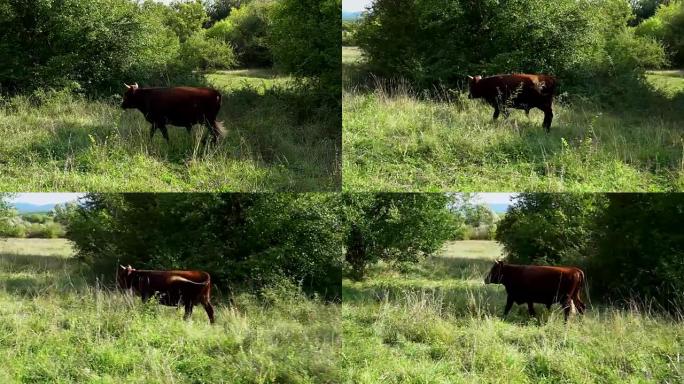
column 520, row 91
column 539, row 284
column 180, row 106
column 174, row 287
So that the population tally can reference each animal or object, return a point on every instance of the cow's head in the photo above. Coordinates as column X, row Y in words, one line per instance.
column 124, row 277
column 473, row 90
column 495, row 275
column 129, row 97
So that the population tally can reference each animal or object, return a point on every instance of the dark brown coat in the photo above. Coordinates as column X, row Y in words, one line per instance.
column 180, row 106
column 174, row 288
column 521, row 91
column 539, row 284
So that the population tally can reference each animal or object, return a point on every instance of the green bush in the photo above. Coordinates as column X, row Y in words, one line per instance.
column 667, row 26
column 249, row 240
column 305, row 41
column 96, row 43
column 35, row 218
column 200, row 52
column 349, row 33
column 549, row 228
column 246, row 30
column 431, row 41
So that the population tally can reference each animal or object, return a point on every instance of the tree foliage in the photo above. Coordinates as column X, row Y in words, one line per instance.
column 437, row 41
column 96, row 45
column 305, row 41
column 394, row 227
column 246, row 29
column 667, row 26
column 248, row 241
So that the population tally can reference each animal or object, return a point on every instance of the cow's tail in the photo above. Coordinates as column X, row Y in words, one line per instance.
column 218, row 125
column 586, row 286
column 184, row 280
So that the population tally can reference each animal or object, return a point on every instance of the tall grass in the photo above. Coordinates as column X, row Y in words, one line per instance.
column 60, row 326
column 436, row 322
column 396, row 138
column 55, row 141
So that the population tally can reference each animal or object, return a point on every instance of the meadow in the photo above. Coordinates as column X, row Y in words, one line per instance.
column 61, row 325
column 437, row 322
column 54, row 141
column 397, row 139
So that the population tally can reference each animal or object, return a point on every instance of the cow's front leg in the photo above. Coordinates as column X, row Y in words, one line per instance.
column 530, row 309
column 165, row 133
column 509, row 305
column 548, row 117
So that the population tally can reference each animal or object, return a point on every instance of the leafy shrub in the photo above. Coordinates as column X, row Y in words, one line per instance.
column 305, row 41
column 432, row 41
column 97, row 43
column 667, row 26
column 349, row 33
column 250, row 240
column 204, row 53
column 246, row 31
column 35, row 218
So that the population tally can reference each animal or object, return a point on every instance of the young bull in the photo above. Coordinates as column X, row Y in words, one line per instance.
column 539, row 284
column 520, row 91
column 174, row 287
column 180, row 106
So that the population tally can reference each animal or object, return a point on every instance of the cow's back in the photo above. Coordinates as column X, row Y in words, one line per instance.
column 523, row 85
column 541, row 284
column 182, row 105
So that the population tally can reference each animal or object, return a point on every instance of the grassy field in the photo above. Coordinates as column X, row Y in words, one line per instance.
column 71, row 144
column 436, row 322
column 58, row 326
column 396, row 140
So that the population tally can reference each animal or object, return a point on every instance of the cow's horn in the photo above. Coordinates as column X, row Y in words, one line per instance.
column 135, row 85
column 470, row 77
column 122, row 267
column 127, row 86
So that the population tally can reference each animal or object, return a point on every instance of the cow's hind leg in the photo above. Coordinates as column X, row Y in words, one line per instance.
column 164, row 131
column 567, row 307
column 530, row 309
column 509, row 304
column 210, row 310
column 188, row 309
column 497, row 111
column 548, row 117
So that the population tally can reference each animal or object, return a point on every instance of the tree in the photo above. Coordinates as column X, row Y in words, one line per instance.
column 186, row 18
column 246, row 29
column 639, row 250
column 305, row 41
column 249, row 241
column 667, row 26
column 394, row 227
column 549, row 228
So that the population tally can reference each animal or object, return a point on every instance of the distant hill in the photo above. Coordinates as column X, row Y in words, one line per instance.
column 351, row 16
column 33, row 208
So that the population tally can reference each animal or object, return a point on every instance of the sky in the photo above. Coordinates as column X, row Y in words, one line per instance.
column 46, row 198
column 495, row 198
column 355, row 5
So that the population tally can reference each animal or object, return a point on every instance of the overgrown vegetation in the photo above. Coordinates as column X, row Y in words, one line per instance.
column 436, row 322
column 62, row 325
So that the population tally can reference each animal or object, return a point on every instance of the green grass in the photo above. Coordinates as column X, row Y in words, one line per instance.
column 436, row 322
column 396, row 140
column 59, row 326
column 72, row 144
